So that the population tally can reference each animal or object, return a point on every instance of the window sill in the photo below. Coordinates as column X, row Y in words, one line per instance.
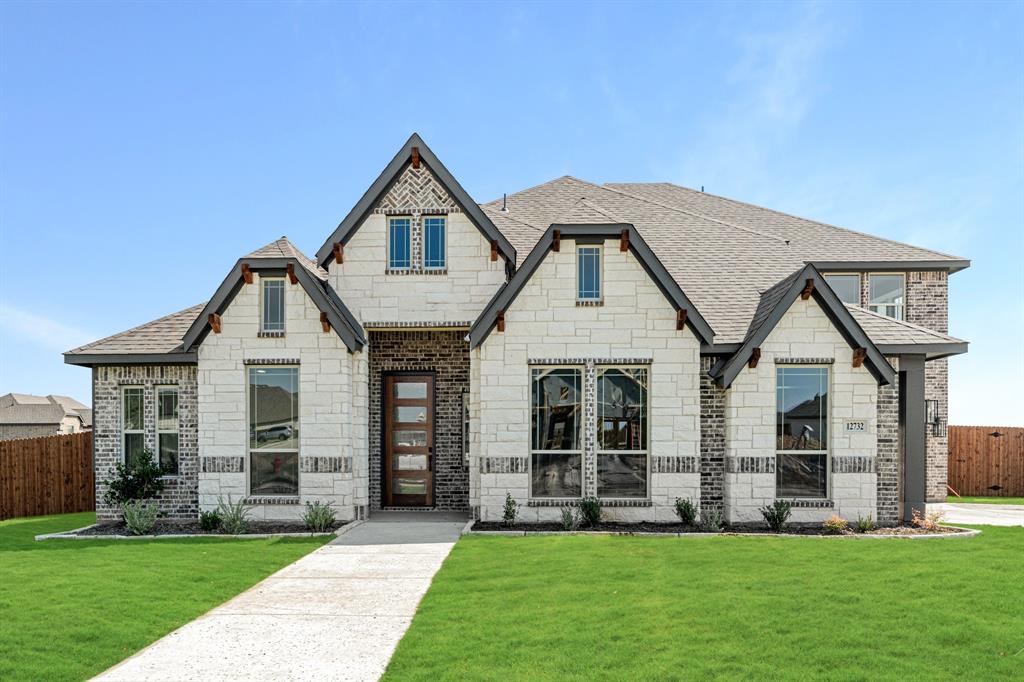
column 589, row 303
column 417, row 271
column 270, row 335
column 272, row 499
column 574, row 501
column 808, row 503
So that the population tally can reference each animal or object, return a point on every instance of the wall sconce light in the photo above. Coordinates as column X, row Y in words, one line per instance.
column 932, row 418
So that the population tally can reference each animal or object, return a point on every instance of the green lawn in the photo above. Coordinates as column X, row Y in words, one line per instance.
column 599, row 607
column 985, row 500
column 69, row 609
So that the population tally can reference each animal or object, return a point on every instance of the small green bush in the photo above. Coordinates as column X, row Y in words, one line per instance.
column 686, row 511
column 710, row 521
column 776, row 515
column 835, row 525
column 319, row 517
column 209, row 520
column 865, row 524
column 234, row 515
column 139, row 479
column 140, row 516
column 508, row 516
column 570, row 519
column 590, row 511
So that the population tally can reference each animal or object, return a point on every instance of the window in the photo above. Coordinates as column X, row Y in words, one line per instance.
column 132, row 430
column 274, row 430
column 167, row 429
column 556, row 453
column 801, row 432
column 885, row 295
column 434, row 243
column 847, row 287
column 273, row 304
column 588, row 273
column 399, row 244
column 622, row 432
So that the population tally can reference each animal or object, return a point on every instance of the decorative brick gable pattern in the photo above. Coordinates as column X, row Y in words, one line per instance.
column 888, row 452
column 712, row 440
column 180, row 497
column 446, row 354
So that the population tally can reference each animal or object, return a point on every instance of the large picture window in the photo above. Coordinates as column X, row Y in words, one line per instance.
column 886, row 295
column 167, row 428
column 274, row 430
column 434, row 243
column 556, row 453
column 622, row 432
column 399, row 243
column 801, row 430
column 133, row 433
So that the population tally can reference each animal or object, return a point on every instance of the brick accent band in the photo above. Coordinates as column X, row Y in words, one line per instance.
column 811, row 504
column 804, row 361
column 222, row 465
column 853, row 465
column 675, row 465
column 562, row 502
column 750, row 465
column 325, row 465
column 504, row 465
column 595, row 361
column 271, row 500
column 271, row 361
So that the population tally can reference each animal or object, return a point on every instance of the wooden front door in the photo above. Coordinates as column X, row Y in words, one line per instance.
column 409, row 440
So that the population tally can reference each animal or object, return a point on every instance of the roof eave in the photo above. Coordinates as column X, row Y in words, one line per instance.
column 950, row 266
column 94, row 359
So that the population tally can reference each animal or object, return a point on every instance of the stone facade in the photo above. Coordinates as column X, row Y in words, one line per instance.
column 180, row 497
column 445, row 354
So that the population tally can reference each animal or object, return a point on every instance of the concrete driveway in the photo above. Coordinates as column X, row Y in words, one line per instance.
column 336, row 614
column 981, row 514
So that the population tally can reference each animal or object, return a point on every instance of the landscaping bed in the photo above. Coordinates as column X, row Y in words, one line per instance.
column 642, row 528
column 168, row 527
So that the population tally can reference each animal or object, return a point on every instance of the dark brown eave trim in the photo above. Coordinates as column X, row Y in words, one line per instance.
column 94, row 359
column 950, row 266
column 596, row 233
column 351, row 223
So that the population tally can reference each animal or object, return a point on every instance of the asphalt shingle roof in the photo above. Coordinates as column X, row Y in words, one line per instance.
column 282, row 248
column 159, row 336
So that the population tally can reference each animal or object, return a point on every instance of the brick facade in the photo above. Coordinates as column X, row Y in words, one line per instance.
column 712, row 440
column 888, row 459
column 446, row 355
column 180, row 497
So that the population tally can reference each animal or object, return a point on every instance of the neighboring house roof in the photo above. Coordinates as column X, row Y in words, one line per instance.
column 22, row 408
column 389, row 175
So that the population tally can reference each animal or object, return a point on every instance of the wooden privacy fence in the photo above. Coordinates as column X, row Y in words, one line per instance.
column 48, row 475
column 986, row 460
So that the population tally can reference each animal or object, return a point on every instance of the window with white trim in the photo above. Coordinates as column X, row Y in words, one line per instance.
column 847, row 287
column 588, row 273
column 622, row 432
column 801, row 432
column 272, row 293
column 434, row 242
column 399, row 243
column 133, row 434
column 273, row 430
column 556, row 447
column 886, row 295
column 167, row 428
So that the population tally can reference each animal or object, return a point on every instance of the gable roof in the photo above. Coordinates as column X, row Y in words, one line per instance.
column 312, row 279
column 158, row 341
column 388, row 176
column 896, row 337
column 510, row 290
column 776, row 301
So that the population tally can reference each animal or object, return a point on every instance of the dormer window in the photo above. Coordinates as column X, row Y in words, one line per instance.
column 588, row 274
column 434, row 243
column 272, row 292
column 399, row 243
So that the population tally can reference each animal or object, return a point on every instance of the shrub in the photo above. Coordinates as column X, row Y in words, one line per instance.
column 234, row 516
column 930, row 521
column 590, row 511
column 209, row 520
column 570, row 519
column 776, row 515
column 686, row 511
column 710, row 521
column 834, row 525
column 508, row 516
column 865, row 524
column 139, row 516
column 139, row 479
column 319, row 517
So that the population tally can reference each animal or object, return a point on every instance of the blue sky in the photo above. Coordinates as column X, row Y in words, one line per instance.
column 145, row 146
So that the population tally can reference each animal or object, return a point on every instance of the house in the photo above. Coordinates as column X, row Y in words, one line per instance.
column 30, row 416
column 637, row 342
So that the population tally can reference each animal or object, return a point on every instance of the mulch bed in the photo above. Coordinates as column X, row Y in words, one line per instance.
column 192, row 528
column 647, row 527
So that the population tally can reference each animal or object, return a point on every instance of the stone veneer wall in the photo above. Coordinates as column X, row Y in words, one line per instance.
column 446, row 355
column 712, row 440
column 180, row 497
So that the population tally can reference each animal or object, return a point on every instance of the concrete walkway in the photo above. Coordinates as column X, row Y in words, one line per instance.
column 981, row 514
column 335, row 614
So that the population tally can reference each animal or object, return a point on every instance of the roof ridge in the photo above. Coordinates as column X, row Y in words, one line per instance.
column 615, row 219
column 136, row 328
column 808, row 220
column 507, row 216
column 903, row 323
column 543, row 184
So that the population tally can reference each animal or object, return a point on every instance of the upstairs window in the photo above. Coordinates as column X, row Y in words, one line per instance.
column 886, row 295
column 133, row 437
column 847, row 287
column 167, row 428
column 434, row 242
column 588, row 273
column 801, row 432
column 399, row 243
column 273, row 305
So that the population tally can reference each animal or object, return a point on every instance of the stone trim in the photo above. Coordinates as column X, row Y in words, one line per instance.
column 504, row 465
column 750, row 465
column 270, row 335
column 271, row 500
column 598, row 362
column 809, row 504
column 853, row 464
column 221, row 465
column 675, row 465
column 805, row 361
column 325, row 465
column 270, row 361
column 394, row 324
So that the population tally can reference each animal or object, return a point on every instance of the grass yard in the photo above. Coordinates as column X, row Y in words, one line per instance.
column 69, row 609
column 599, row 607
column 985, row 500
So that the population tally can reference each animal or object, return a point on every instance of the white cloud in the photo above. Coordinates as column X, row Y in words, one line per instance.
column 40, row 329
